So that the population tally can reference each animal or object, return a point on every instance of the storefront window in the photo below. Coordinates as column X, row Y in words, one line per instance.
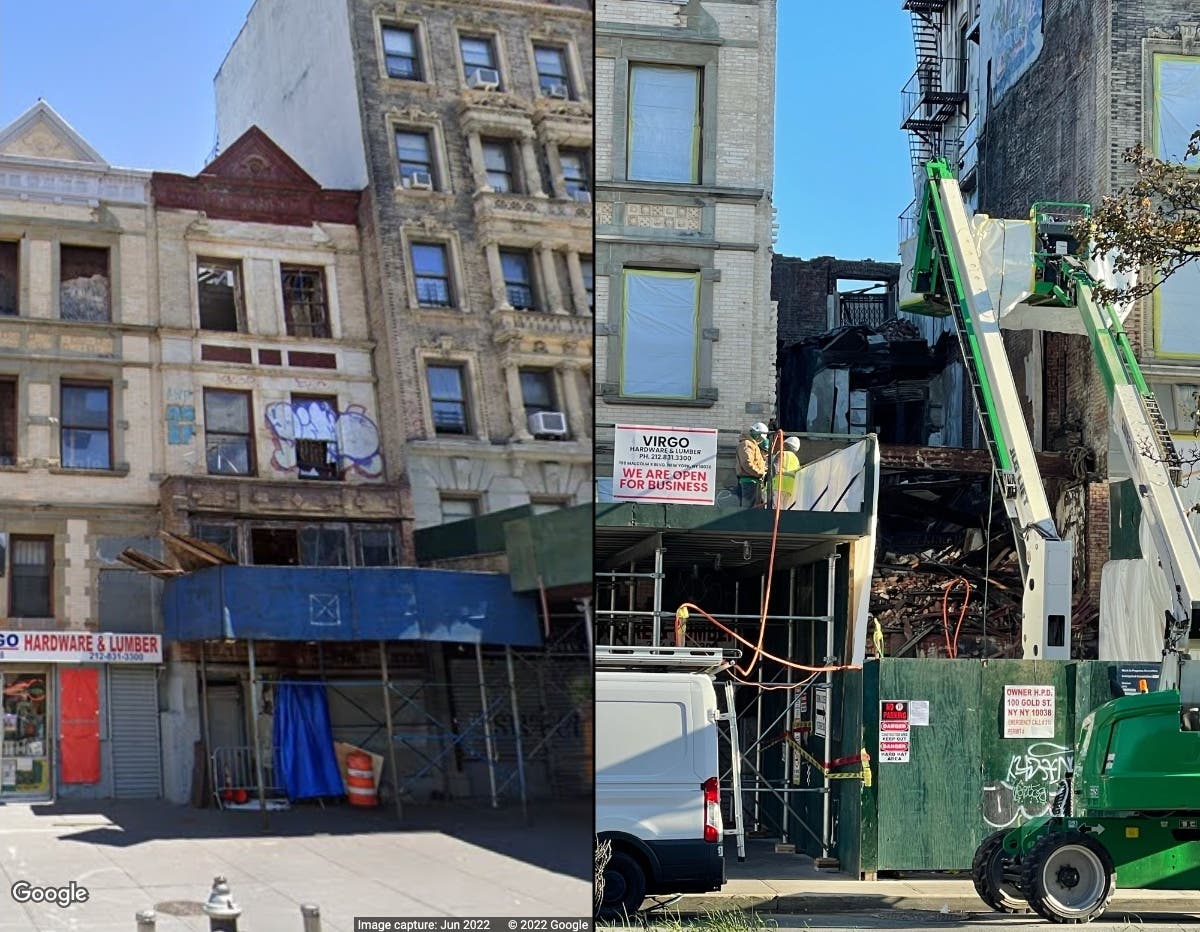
column 25, row 754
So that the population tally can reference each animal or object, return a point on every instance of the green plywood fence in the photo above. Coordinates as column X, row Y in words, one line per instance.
column 963, row 779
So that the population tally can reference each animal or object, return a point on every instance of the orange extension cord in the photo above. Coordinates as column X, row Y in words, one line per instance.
column 758, row 652
column 952, row 647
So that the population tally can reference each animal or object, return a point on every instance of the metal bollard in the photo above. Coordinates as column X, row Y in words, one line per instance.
column 221, row 910
column 312, row 917
column 147, row 920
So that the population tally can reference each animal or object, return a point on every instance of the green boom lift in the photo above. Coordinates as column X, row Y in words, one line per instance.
column 1129, row 812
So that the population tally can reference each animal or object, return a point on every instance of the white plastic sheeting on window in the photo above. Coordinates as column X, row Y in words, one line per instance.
column 1176, row 311
column 659, row 336
column 664, row 124
column 1176, row 104
column 1134, row 594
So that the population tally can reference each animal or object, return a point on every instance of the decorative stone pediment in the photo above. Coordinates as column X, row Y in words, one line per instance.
column 40, row 133
column 255, row 157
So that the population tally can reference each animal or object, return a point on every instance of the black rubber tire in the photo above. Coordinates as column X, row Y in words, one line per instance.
column 624, row 887
column 1091, row 864
column 988, row 876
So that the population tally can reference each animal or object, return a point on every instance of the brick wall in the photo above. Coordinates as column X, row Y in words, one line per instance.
column 1059, row 134
column 802, row 287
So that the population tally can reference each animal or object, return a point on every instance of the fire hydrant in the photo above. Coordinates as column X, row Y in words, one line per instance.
column 221, row 910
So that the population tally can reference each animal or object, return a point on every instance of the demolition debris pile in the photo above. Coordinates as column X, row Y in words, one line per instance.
column 919, row 600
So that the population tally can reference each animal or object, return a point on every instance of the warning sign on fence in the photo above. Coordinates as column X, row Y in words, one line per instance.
column 894, row 741
column 1029, row 711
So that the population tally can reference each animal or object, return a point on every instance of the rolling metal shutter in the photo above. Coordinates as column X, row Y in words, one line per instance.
column 133, row 731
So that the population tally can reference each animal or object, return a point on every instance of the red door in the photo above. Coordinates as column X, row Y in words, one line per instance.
column 79, row 723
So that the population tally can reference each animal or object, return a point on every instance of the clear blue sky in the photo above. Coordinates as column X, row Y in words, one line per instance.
column 842, row 173
column 134, row 77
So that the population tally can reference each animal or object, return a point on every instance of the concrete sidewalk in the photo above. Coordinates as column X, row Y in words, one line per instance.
column 791, row 884
column 450, row 861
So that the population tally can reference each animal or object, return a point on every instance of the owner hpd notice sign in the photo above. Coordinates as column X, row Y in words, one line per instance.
column 665, row 464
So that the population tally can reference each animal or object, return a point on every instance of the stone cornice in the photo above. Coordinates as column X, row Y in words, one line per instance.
column 71, row 182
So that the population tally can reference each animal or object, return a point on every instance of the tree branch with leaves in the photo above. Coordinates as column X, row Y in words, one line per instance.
column 1152, row 227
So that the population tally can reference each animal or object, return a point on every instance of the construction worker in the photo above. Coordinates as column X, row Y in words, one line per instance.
column 751, row 465
column 783, row 475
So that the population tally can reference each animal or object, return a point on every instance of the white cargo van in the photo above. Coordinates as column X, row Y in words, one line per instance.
column 657, row 774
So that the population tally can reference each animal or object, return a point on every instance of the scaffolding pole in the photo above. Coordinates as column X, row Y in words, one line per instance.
column 487, row 724
column 830, row 594
column 391, row 731
column 758, row 717
column 516, row 713
column 258, row 767
column 791, row 699
column 658, row 581
column 208, row 761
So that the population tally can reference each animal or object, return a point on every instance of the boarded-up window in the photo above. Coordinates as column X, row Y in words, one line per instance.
column 660, row 334
column 304, row 302
column 8, row 422
column 83, row 292
column 129, row 601
column 9, row 280
column 219, row 283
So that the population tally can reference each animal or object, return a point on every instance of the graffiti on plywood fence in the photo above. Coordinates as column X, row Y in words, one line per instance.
column 1028, row 786
column 351, row 438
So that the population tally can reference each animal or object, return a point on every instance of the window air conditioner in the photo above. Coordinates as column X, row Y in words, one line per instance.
column 487, row 79
column 548, row 424
column 558, row 91
column 420, row 180
column 583, row 195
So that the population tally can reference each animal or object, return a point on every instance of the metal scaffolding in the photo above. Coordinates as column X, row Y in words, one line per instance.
column 630, row 611
column 511, row 711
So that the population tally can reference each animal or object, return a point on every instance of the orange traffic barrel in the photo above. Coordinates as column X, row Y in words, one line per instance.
column 360, row 780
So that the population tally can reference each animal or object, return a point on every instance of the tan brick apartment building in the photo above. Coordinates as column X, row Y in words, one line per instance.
column 684, row 163
column 182, row 353
column 469, row 126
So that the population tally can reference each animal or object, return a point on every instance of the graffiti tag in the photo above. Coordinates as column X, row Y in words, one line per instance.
column 1029, row 784
column 352, row 437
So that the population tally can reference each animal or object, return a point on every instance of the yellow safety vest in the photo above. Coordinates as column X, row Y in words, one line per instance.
column 784, row 479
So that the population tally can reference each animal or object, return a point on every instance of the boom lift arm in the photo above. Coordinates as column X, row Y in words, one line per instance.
column 948, row 269
column 1139, row 432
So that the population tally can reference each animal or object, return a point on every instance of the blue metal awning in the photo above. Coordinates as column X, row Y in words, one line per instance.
column 286, row 603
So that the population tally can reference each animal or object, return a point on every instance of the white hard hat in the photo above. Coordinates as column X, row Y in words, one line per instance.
column 758, row 428
column 792, row 443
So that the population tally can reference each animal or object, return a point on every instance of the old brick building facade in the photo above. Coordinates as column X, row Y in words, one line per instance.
column 1051, row 97
column 470, row 129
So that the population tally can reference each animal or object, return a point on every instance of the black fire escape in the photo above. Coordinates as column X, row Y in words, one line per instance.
column 935, row 92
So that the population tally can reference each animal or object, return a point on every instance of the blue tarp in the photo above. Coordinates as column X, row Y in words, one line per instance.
column 304, row 757
column 293, row 603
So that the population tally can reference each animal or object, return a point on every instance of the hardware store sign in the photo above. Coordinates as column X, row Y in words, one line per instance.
column 677, row 465
column 79, row 647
